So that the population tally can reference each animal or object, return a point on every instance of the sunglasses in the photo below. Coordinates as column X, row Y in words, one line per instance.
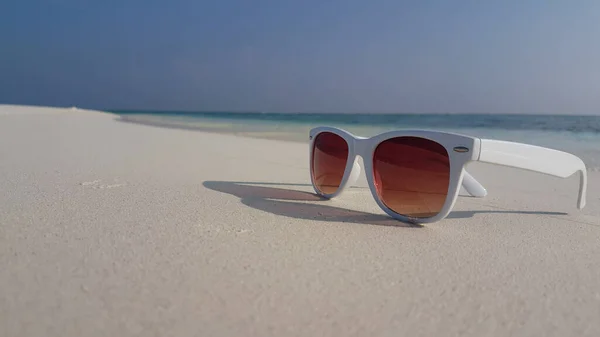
column 415, row 175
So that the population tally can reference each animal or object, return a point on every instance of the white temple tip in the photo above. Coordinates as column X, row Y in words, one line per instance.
column 355, row 174
column 480, row 193
column 473, row 187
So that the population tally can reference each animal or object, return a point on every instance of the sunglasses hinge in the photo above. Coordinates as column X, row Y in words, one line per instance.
column 461, row 149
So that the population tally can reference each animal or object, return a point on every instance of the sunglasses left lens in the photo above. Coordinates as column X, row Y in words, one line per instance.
column 329, row 158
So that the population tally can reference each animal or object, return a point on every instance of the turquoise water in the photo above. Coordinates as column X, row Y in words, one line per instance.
column 576, row 134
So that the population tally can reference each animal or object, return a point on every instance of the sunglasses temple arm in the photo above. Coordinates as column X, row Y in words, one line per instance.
column 355, row 174
column 472, row 186
column 537, row 159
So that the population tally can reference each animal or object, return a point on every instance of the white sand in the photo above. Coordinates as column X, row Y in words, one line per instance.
column 117, row 229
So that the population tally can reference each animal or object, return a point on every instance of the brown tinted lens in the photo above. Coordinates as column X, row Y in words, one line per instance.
column 412, row 175
column 330, row 154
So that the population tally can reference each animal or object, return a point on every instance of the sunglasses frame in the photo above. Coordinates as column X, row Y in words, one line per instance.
column 461, row 149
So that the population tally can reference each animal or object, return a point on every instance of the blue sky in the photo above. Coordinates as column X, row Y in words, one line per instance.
column 303, row 56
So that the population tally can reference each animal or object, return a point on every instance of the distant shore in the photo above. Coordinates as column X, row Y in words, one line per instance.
column 554, row 134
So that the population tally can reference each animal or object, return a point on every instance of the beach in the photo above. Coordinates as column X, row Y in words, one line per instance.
column 112, row 228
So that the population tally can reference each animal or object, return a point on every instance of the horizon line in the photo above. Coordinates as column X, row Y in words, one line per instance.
column 190, row 111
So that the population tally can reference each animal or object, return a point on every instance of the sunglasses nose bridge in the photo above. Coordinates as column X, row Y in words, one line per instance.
column 360, row 146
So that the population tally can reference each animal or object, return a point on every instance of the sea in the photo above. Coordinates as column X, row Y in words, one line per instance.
column 579, row 135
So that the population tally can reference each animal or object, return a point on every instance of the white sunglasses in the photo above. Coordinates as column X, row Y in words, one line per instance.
column 415, row 175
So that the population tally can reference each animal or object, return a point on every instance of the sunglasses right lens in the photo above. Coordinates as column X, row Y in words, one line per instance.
column 412, row 175
column 329, row 157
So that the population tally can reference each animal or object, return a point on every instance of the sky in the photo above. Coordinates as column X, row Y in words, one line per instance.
column 467, row 56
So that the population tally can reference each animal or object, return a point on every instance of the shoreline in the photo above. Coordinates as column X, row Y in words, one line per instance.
column 298, row 132
column 280, row 136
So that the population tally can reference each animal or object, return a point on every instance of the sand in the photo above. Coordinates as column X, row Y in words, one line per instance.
column 117, row 229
